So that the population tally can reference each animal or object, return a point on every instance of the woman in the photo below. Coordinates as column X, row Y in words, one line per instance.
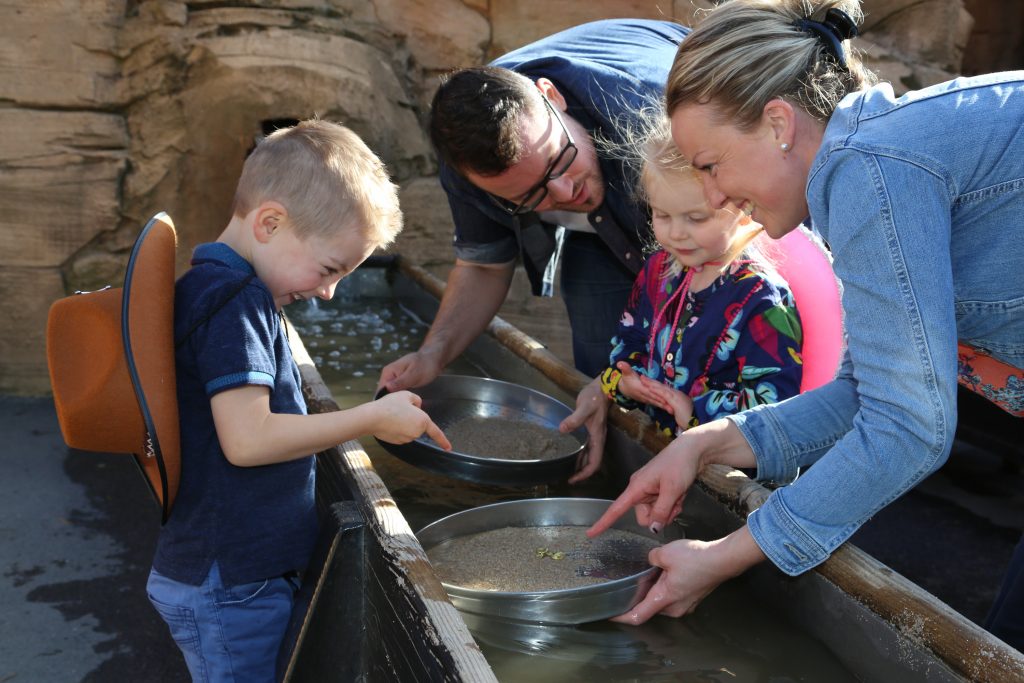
column 921, row 201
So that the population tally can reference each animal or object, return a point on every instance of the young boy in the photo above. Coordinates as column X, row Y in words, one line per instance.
column 312, row 203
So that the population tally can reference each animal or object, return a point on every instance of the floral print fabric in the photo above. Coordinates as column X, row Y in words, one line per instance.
column 999, row 382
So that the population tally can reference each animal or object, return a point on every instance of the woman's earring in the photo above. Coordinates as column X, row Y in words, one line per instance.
column 784, row 146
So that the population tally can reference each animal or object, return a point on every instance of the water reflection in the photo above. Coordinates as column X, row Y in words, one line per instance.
column 730, row 638
column 602, row 643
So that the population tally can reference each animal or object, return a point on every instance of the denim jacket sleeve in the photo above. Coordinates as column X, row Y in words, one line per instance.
column 887, row 421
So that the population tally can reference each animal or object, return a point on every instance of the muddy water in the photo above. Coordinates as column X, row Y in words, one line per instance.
column 730, row 638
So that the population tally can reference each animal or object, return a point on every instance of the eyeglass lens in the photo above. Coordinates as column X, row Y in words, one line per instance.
column 556, row 170
column 561, row 164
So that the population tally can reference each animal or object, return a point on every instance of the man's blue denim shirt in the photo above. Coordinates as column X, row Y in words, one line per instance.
column 921, row 199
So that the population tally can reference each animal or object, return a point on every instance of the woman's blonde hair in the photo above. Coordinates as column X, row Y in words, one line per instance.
column 327, row 179
column 746, row 53
column 647, row 148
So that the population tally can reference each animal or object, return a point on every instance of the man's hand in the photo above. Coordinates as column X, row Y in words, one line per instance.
column 410, row 371
column 473, row 295
column 591, row 410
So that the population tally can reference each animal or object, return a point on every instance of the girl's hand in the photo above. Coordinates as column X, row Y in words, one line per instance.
column 641, row 388
column 591, row 410
column 397, row 418
column 682, row 409
column 690, row 571
column 673, row 401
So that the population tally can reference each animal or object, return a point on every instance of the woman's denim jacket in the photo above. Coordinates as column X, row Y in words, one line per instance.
column 921, row 199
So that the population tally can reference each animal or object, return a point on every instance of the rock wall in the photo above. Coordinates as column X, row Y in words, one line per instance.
column 117, row 109
column 63, row 157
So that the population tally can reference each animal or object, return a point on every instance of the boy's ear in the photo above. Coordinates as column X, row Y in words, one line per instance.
column 270, row 217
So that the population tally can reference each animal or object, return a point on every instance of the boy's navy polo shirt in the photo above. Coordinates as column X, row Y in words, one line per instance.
column 607, row 71
column 255, row 522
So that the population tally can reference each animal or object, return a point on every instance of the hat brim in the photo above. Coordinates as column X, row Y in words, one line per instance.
column 147, row 332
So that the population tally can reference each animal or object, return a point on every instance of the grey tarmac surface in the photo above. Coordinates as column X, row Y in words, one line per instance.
column 77, row 532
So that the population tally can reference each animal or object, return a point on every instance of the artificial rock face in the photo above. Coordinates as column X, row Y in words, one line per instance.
column 123, row 108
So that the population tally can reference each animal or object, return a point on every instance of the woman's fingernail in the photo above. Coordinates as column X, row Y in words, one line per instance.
column 655, row 527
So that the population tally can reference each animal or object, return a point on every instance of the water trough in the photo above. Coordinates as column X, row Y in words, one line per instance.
column 374, row 584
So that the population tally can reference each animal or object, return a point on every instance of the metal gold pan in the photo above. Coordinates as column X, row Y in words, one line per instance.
column 567, row 606
column 451, row 398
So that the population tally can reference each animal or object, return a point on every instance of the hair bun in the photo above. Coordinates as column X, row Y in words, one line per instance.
column 831, row 32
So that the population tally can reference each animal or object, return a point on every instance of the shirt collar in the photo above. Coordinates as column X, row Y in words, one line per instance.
column 218, row 252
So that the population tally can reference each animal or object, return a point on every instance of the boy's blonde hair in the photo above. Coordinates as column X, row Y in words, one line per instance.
column 327, row 179
column 746, row 53
column 648, row 147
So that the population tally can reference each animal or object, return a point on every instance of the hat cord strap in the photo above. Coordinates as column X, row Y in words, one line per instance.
column 213, row 311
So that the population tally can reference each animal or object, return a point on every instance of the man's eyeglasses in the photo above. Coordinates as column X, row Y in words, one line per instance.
column 556, row 170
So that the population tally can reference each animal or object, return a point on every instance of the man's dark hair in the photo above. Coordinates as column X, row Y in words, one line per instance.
column 475, row 116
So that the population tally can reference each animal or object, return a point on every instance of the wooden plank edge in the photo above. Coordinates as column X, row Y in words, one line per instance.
column 446, row 628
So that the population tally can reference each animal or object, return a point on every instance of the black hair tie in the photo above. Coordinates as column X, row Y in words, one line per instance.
column 837, row 27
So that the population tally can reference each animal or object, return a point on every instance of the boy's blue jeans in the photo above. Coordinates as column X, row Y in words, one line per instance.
column 227, row 633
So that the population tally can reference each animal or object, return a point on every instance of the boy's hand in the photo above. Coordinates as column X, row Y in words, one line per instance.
column 399, row 419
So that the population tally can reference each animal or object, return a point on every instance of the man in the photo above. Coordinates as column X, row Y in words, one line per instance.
column 516, row 144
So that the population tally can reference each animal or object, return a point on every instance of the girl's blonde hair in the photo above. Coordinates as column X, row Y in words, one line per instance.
column 746, row 53
column 648, row 149
column 327, row 179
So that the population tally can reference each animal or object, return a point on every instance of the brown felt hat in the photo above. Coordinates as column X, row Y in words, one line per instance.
column 111, row 358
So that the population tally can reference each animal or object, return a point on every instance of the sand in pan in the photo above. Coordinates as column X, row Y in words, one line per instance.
column 496, row 437
column 539, row 558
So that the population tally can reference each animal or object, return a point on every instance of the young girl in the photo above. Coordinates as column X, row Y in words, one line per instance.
column 709, row 329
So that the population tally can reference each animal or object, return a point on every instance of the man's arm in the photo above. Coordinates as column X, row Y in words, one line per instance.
column 474, row 293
